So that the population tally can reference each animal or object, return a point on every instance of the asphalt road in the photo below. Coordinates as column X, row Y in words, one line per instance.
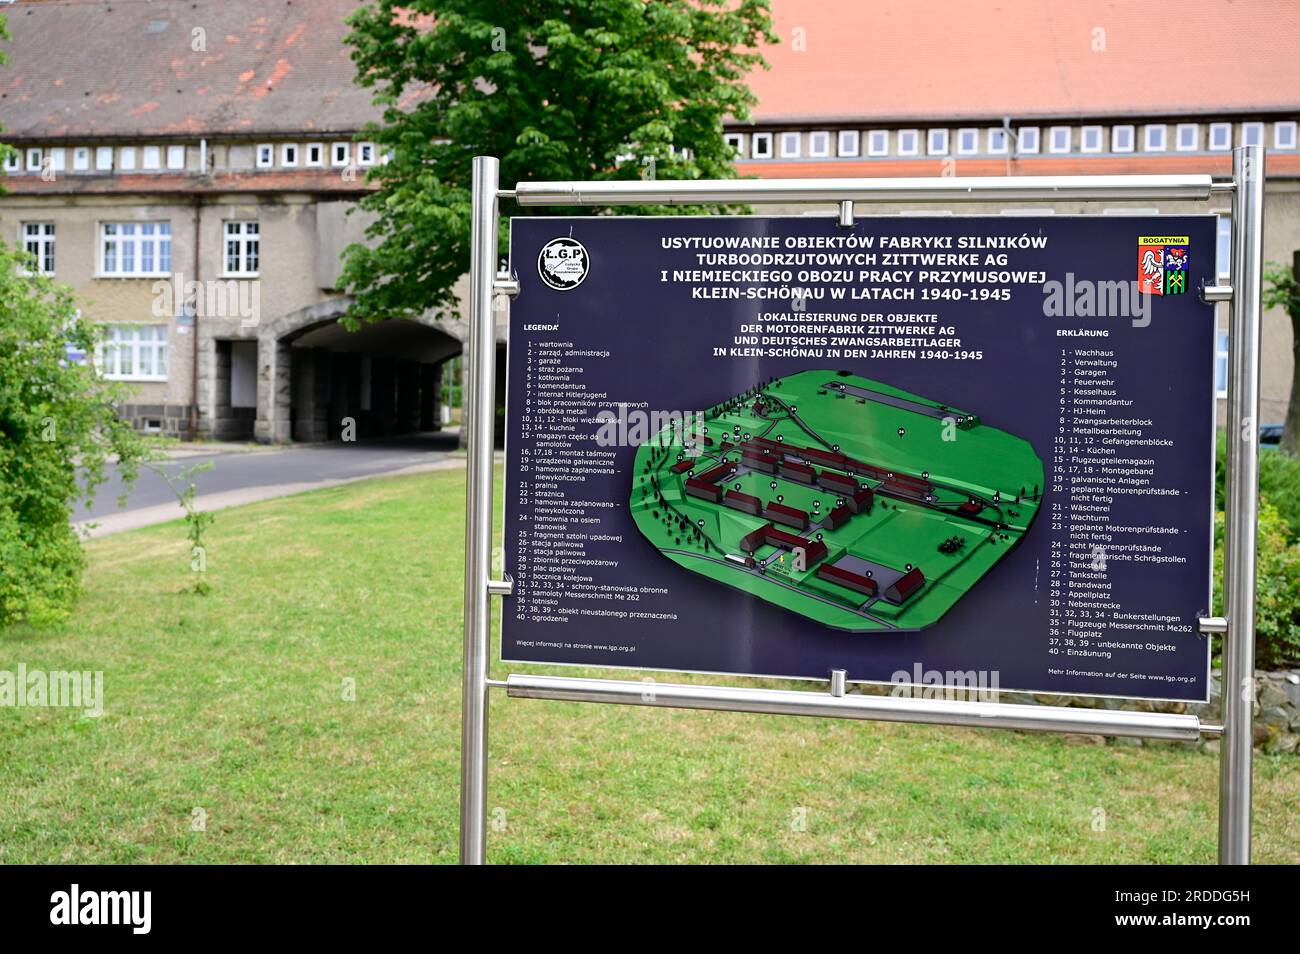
column 239, row 475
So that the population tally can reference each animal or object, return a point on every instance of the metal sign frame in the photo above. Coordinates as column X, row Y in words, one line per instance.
column 1237, row 625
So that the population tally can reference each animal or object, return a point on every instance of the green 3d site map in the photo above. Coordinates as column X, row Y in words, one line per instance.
column 842, row 499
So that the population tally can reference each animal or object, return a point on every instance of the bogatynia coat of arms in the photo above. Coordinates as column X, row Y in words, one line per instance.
column 1162, row 264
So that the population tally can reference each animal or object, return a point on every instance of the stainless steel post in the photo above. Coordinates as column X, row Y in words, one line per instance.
column 1242, row 506
column 479, row 414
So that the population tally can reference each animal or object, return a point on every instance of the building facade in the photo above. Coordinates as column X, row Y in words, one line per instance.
column 193, row 174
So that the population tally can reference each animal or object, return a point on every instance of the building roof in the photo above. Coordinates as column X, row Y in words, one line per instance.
column 81, row 69
column 928, row 60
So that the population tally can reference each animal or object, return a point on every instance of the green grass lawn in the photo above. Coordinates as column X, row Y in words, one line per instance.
column 234, row 705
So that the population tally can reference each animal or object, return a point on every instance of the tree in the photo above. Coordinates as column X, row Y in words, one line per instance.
column 58, row 430
column 1282, row 290
column 580, row 89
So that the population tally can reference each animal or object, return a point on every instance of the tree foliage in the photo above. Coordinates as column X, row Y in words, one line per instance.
column 1282, row 290
column 58, row 430
column 1277, row 541
column 1277, row 589
column 582, row 89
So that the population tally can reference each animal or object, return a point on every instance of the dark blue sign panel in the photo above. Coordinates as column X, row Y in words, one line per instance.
column 935, row 451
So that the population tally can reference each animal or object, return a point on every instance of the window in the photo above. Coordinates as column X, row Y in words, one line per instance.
column 1284, row 135
column 1121, row 139
column 135, row 249
column 175, row 157
column 1058, row 139
column 909, row 142
column 13, row 161
column 789, row 145
column 968, row 142
column 1090, row 139
column 341, row 153
column 1153, row 138
column 81, row 158
column 289, row 154
column 366, row 153
column 134, row 353
column 878, row 142
column 1027, row 140
column 59, row 160
column 104, row 159
column 38, row 241
column 34, row 157
column 316, row 154
column 819, row 144
column 1189, row 136
column 1252, row 134
column 760, row 145
column 152, row 157
column 1223, row 249
column 849, row 143
column 243, row 248
column 1221, row 364
column 1220, row 136
column 997, row 141
column 126, row 159
column 936, row 142
column 736, row 143
column 265, row 156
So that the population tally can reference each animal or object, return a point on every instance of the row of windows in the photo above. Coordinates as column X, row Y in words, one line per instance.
column 99, row 158
column 1002, row 141
column 144, row 249
column 289, row 155
column 172, row 158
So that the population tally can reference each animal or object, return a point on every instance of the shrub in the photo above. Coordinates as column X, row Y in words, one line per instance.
column 58, row 429
column 1277, row 589
column 1279, row 484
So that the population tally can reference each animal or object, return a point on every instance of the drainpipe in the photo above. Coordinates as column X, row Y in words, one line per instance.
column 194, row 331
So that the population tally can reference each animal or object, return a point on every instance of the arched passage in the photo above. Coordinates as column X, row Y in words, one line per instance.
column 318, row 381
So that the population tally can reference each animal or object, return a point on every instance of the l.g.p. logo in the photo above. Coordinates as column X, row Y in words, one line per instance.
column 563, row 263
column 1162, row 264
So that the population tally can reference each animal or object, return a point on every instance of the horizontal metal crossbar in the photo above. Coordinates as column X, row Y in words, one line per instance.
column 989, row 715
column 947, row 189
